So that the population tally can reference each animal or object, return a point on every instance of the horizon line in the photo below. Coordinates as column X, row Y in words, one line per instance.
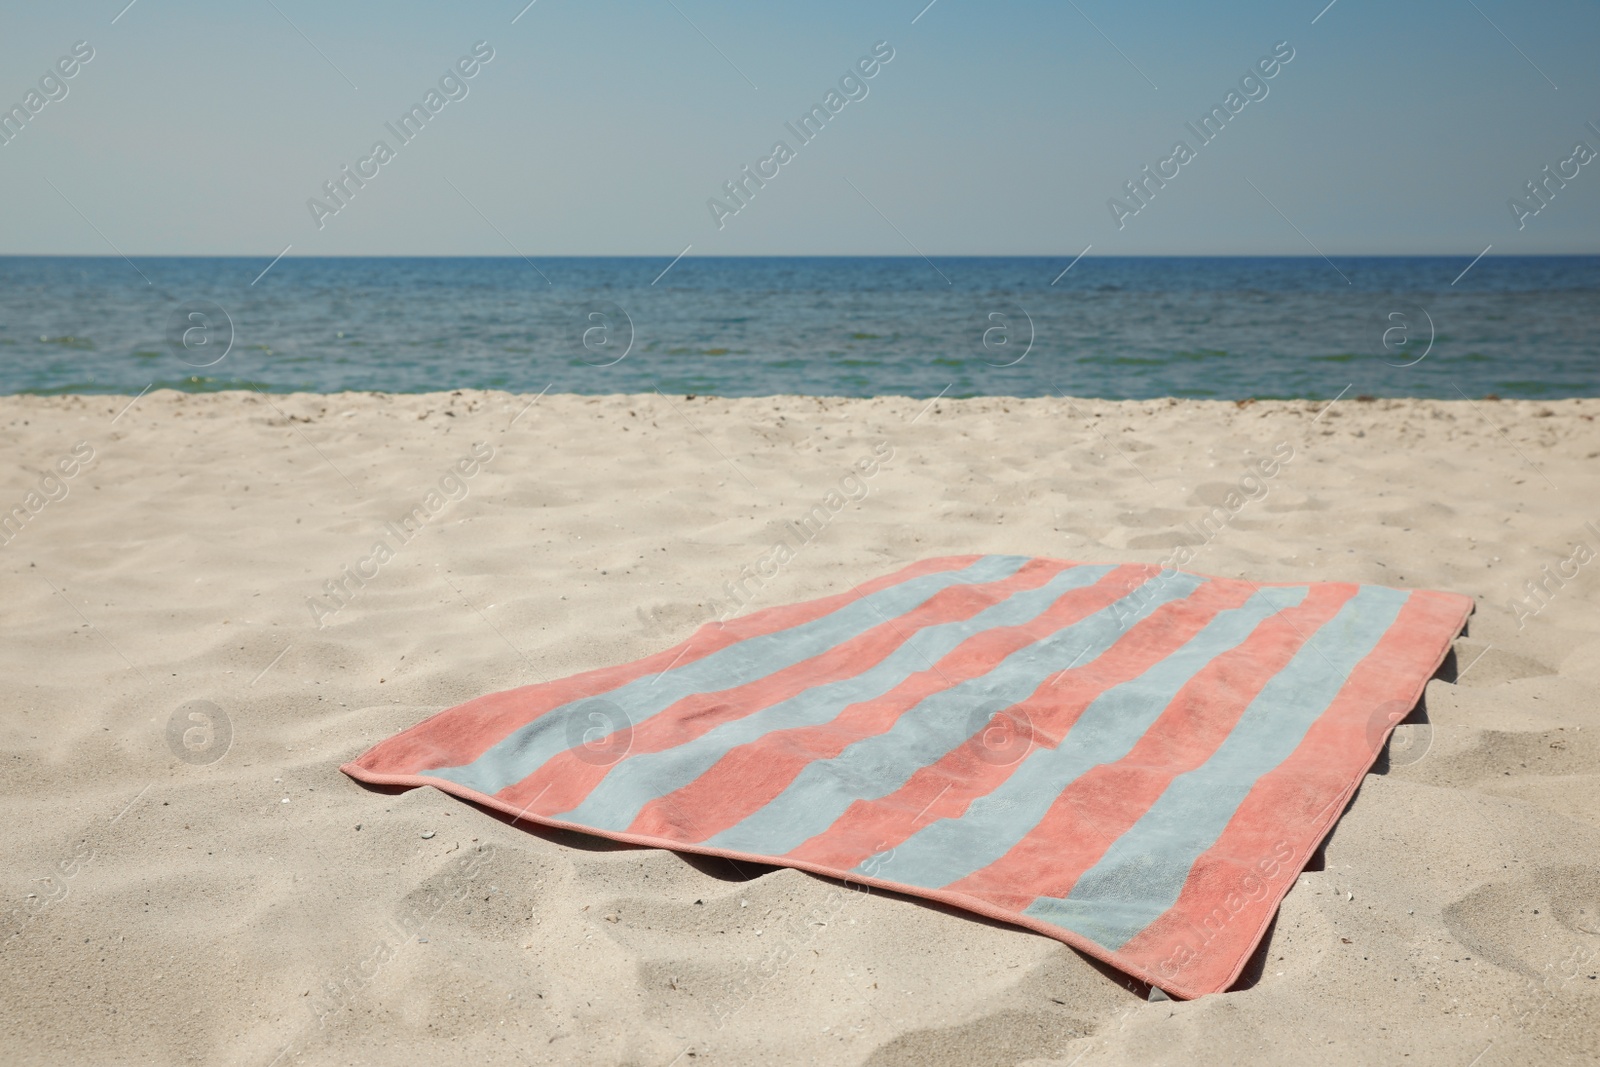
column 805, row 255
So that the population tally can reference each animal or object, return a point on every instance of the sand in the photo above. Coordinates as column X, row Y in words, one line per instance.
column 225, row 895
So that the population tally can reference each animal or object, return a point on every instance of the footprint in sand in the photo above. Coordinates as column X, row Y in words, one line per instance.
column 1548, row 921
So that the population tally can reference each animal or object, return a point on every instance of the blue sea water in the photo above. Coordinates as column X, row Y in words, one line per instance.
column 1226, row 327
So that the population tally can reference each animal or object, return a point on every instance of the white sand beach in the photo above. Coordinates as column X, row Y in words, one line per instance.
column 190, row 878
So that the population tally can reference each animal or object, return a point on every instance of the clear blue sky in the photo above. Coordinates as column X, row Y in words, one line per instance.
column 602, row 128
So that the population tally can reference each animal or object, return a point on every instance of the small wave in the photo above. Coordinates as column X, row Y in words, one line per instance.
column 82, row 344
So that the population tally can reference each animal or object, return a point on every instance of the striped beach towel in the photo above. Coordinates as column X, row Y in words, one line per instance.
column 1134, row 761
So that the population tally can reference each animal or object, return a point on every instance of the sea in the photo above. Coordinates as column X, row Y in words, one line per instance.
column 1098, row 326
